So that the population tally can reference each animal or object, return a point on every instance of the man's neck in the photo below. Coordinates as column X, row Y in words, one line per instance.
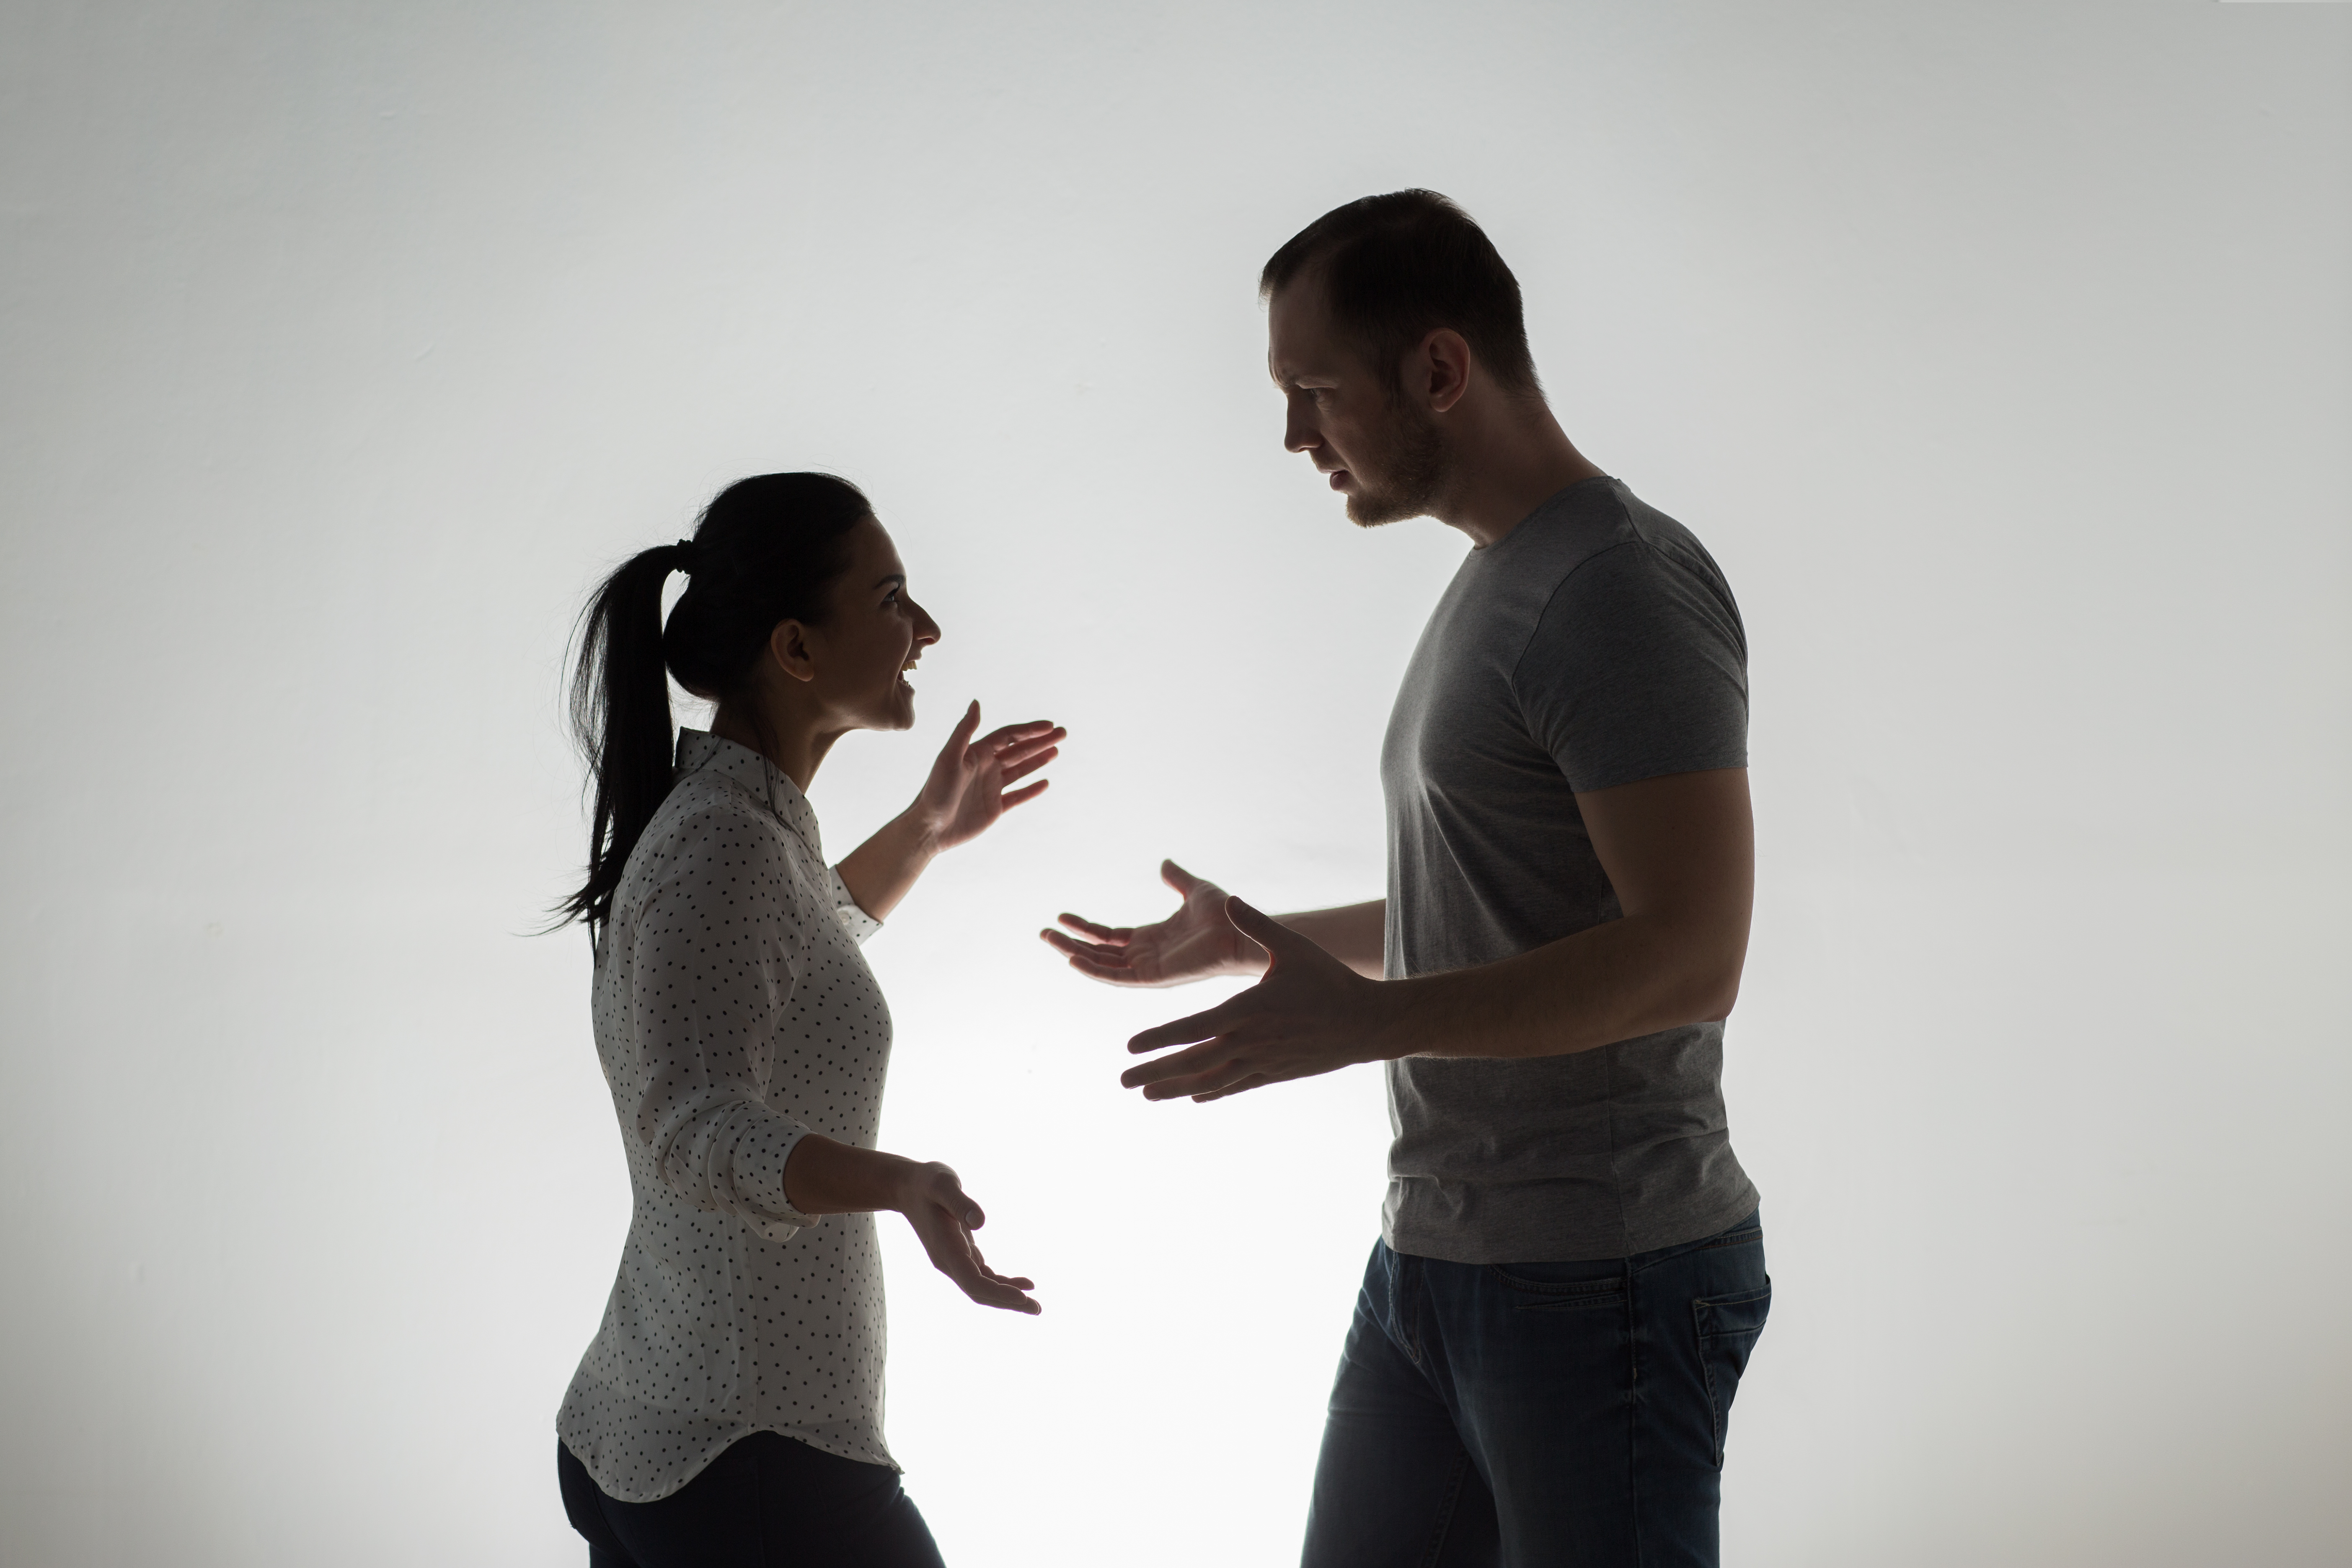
column 1503, row 468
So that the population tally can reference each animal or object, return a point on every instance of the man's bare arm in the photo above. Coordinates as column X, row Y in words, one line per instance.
column 1679, row 851
column 1355, row 934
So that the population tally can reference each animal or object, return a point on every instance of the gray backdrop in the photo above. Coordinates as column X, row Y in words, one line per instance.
column 1998, row 351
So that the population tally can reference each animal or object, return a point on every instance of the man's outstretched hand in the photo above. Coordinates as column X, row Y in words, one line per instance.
column 1311, row 1014
column 1194, row 943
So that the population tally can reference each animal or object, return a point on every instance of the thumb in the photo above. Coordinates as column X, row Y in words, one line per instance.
column 970, row 724
column 1178, row 877
column 1262, row 929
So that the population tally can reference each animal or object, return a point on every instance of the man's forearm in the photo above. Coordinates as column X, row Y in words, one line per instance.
column 1352, row 933
column 1632, row 977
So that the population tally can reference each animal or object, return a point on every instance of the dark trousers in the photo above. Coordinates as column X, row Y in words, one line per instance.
column 769, row 1502
column 1538, row 1415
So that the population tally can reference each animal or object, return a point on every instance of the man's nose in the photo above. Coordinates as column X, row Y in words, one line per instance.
column 1298, row 435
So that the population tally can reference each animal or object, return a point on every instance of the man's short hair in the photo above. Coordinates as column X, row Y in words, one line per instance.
column 1397, row 268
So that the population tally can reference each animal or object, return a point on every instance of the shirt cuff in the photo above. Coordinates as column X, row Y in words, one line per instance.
column 853, row 920
column 774, row 1217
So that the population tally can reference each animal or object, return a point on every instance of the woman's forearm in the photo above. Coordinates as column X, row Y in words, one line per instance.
column 1352, row 933
column 880, row 871
column 825, row 1176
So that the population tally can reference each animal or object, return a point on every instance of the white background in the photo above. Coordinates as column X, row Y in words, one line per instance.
column 2001, row 351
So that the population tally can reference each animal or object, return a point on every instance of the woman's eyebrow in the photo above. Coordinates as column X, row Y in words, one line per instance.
column 898, row 577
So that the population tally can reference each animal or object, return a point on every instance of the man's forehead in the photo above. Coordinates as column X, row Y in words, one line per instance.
column 1297, row 333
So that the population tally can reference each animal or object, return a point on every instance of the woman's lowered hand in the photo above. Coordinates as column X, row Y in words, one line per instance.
column 935, row 1204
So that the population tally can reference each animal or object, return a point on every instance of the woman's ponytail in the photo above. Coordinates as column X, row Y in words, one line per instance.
column 766, row 551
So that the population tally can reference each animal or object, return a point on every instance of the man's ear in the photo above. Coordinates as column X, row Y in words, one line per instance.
column 1445, row 363
column 788, row 646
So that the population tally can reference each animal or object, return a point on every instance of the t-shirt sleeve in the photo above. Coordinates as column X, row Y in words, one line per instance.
column 1638, row 668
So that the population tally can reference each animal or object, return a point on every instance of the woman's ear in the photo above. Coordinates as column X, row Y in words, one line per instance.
column 788, row 645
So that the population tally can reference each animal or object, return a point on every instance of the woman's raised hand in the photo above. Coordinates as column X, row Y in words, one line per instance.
column 935, row 1204
column 1195, row 943
column 967, row 792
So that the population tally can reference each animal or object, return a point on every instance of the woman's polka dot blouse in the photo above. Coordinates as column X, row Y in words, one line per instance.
column 734, row 1014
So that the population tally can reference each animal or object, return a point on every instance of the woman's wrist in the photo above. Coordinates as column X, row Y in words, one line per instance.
column 919, row 834
column 825, row 1176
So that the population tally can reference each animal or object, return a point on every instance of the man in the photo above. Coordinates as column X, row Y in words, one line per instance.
column 1570, row 1274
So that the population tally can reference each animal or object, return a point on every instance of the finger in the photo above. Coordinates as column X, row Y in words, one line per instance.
column 1117, row 936
column 1178, row 877
column 1031, row 793
column 1182, row 1031
column 1255, row 1080
column 1022, row 751
column 984, row 1285
column 989, row 1293
column 1098, row 952
column 1210, row 1058
column 1030, row 764
column 1034, row 734
column 954, row 1254
column 1211, row 1073
column 1109, row 975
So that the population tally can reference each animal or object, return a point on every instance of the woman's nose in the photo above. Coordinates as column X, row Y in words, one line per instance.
column 926, row 630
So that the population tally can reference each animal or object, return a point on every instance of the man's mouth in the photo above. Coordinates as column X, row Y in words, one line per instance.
column 1339, row 479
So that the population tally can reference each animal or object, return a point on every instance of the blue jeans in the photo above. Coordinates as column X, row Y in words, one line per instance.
column 1538, row 1415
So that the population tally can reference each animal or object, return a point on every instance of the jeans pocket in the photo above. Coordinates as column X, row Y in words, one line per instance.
column 1531, row 1294
column 1728, row 1327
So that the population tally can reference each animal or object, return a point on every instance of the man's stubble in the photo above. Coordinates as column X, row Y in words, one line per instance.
column 1413, row 464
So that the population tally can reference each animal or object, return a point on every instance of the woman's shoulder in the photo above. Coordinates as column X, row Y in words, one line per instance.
column 711, row 832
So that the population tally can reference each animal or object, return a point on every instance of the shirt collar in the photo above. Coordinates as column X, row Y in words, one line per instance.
column 699, row 751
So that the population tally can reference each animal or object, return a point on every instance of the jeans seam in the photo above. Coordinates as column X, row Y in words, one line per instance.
column 1446, row 1513
column 1633, row 1413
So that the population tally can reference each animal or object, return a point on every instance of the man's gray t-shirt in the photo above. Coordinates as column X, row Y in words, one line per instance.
column 1596, row 644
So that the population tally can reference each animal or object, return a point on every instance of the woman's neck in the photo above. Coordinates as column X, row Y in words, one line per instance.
column 796, row 744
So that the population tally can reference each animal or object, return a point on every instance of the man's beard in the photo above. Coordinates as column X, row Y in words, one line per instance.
column 1412, row 463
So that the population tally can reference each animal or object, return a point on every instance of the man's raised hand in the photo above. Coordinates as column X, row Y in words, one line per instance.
column 1311, row 1014
column 1194, row 943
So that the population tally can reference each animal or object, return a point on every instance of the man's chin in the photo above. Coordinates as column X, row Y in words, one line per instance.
column 1368, row 510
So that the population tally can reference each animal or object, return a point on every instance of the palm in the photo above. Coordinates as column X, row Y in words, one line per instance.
column 967, row 792
column 1196, row 942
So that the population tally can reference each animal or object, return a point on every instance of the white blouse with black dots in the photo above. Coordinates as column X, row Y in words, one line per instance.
column 733, row 1014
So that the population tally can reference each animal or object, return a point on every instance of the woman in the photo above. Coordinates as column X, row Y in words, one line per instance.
column 729, row 1409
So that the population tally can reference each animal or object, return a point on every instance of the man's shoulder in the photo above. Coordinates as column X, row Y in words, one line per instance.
column 1602, row 518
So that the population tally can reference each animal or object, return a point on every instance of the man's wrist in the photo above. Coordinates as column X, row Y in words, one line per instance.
column 1397, row 1020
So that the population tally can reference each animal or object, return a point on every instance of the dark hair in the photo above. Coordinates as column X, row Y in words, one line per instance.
column 1399, row 267
column 766, row 549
